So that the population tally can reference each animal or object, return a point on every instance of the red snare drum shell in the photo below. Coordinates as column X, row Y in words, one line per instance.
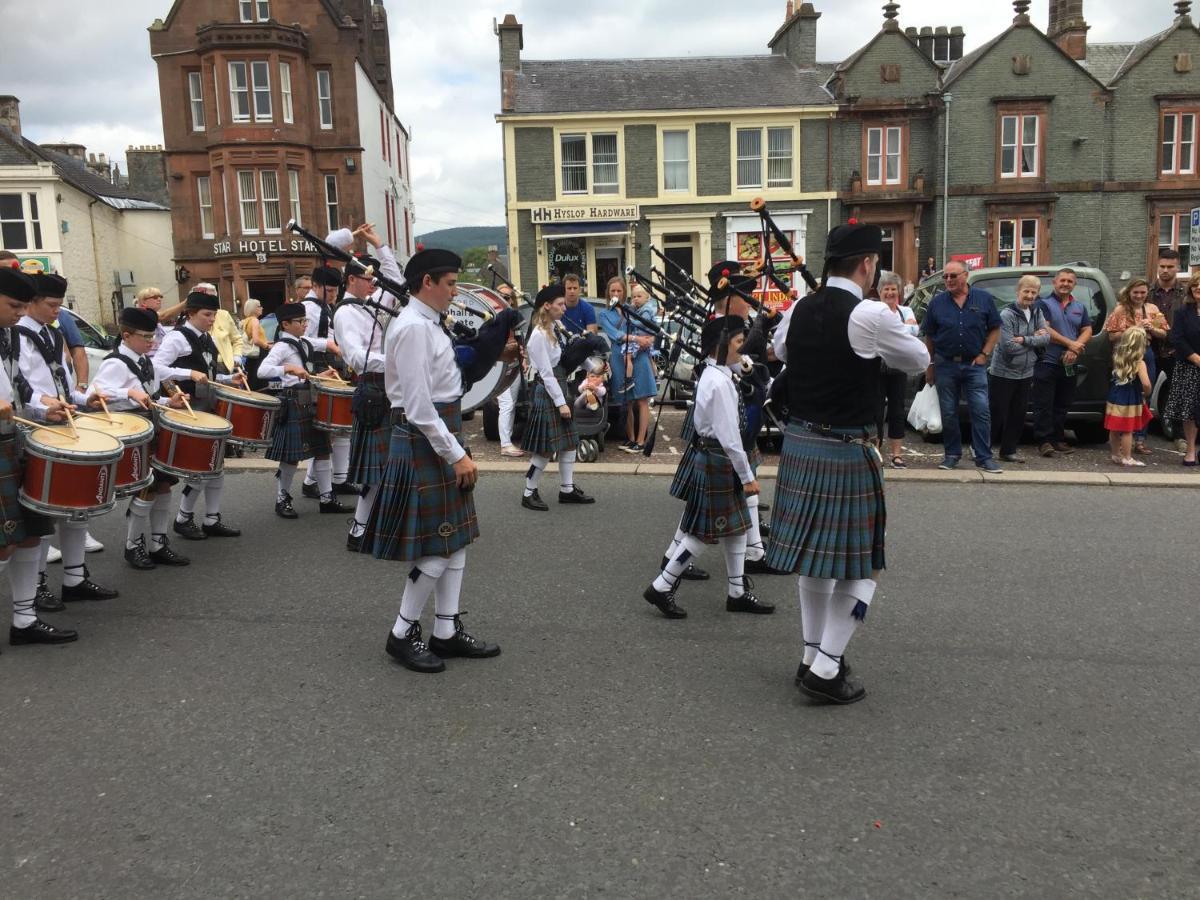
column 57, row 485
column 191, row 448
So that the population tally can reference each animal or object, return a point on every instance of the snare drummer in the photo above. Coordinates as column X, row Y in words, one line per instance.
column 189, row 355
column 130, row 381
column 21, row 529
column 319, row 306
column 287, row 369
column 45, row 366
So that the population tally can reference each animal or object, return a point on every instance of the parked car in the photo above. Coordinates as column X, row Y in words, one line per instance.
column 96, row 344
column 1093, row 290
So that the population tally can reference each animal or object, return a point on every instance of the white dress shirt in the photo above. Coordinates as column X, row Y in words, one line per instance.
column 873, row 329
column 544, row 354
column 313, row 306
column 174, row 346
column 359, row 332
column 37, row 374
column 283, row 354
column 419, row 371
column 716, row 415
column 115, row 381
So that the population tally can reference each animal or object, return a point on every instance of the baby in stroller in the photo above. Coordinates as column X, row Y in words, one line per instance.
column 593, row 387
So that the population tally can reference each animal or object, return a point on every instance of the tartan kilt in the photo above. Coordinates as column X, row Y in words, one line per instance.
column 715, row 501
column 16, row 522
column 420, row 510
column 296, row 438
column 547, row 432
column 369, row 446
column 830, row 513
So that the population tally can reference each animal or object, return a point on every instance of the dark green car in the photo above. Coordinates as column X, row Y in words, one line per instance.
column 1093, row 290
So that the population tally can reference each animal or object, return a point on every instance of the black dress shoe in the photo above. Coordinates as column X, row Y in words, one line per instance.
column 354, row 543
column 311, row 491
column 462, row 644
column 832, row 690
column 575, row 495
column 764, row 506
column 760, row 567
column 45, row 600
column 534, row 501
column 412, row 653
column 165, row 556
column 348, row 488
column 189, row 530
column 764, row 530
column 284, row 508
column 748, row 603
column 843, row 670
column 665, row 603
column 220, row 529
column 87, row 590
column 41, row 633
column 137, row 557
column 332, row 505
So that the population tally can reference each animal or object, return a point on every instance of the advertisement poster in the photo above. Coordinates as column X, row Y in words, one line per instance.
column 749, row 252
column 970, row 260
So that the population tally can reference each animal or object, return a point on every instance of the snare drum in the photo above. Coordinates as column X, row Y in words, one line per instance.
column 68, row 476
column 191, row 448
column 251, row 414
column 135, row 433
column 333, row 402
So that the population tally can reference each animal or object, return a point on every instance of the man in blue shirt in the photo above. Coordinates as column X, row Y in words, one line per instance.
column 580, row 316
column 1054, row 377
column 961, row 327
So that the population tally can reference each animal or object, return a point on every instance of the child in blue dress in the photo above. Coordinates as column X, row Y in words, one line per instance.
column 1126, row 411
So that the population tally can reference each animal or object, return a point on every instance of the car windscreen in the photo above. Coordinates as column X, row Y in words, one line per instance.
column 1003, row 288
column 91, row 337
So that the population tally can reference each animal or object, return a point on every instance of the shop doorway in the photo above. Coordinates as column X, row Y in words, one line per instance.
column 682, row 256
column 610, row 263
column 567, row 257
column 270, row 293
column 887, row 259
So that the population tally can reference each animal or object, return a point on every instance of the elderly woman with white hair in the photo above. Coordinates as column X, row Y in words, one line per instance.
column 892, row 382
column 254, row 339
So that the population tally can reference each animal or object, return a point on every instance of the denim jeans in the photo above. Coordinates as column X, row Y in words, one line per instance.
column 970, row 380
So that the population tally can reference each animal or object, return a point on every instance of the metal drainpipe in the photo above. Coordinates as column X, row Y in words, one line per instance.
column 947, row 99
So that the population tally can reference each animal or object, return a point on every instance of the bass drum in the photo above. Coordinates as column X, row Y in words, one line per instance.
column 483, row 302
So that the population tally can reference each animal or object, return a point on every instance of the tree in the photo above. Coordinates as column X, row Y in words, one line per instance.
column 474, row 259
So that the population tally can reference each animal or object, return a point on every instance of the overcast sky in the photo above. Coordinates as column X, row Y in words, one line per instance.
column 83, row 71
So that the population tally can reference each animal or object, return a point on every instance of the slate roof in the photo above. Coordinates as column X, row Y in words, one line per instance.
column 20, row 151
column 621, row 85
column 1138, row 52
column 1105, row 60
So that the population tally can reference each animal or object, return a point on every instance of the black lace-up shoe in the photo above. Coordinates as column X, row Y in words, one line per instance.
column 189, row 530
column 843, row 670
column 45, row 600
column 41, row 633
column 534, row 501
column 575, row 495
column 412, row 653
column 220, row 529
column 348, row 489
column 284, row 508
column 838, row 689
column 332, row 505
column 87, row 590
column 462, row 644
column 311, row 491
column 137, row 557
column 748, row 603
column 665, row 601
column 165, row 556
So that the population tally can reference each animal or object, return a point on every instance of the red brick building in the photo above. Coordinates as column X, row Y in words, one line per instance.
column 276, row 110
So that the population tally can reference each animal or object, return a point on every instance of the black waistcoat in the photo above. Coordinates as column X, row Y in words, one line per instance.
column 827, row 382
column 201, row 345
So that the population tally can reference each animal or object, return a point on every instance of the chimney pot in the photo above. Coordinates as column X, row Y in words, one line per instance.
column 10, row 113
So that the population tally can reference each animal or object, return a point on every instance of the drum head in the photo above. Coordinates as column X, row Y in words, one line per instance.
column 331, row 386
column 123, row 425
column 182, row 420
column 63, row 439
column 483, row 301
column 237, row 395
column 499, row 378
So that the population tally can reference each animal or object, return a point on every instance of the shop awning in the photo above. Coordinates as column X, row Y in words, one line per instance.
column 584, row 229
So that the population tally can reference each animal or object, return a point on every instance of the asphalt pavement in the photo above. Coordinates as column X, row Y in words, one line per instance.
column 236, row 730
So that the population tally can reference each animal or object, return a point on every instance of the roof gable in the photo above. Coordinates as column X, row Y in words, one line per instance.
column 1146, row 48
column 900, row 49
column 964, row 65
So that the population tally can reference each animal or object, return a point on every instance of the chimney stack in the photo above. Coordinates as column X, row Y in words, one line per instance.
column 10, row 113
column 797, row 36
column 512, row 42
column 1067, row 27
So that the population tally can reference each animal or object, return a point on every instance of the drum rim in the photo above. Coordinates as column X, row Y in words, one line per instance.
column 245, row 398
column 333, row 389
column 144, row 436
column 195, row 429
column 48, row 452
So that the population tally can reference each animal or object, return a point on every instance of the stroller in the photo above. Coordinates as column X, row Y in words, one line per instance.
column 586, row 363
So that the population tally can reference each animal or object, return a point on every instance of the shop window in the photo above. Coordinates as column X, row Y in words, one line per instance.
column 20, row 225
column 1174, row 233
column 750, row 169
column 1017, row 241
column 585, row 154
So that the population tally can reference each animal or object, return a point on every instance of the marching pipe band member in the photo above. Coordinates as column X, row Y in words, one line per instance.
column 187, row 355
column 425, row 512
column 287, row 369
column 551, row 428
column 830, row 513
column 360, row 332
column 21, row 529
column 129, row 381
column 720, row 480
column 319, row 305
column 45, row 368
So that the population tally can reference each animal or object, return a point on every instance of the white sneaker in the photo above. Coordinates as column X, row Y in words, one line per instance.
column 54, row 555
column 91, row 545
column 510, row 450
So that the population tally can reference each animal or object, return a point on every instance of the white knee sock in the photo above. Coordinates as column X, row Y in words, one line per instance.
column 754, row 542
column 420, row 584
column 309, row 477
column 362, row 510
column 212, row 500
column 675, row 542
column 689, row 548
column 341, row 459
column 286, row 476
column 139, row 521
column 323, row 470
column 566, row 471
column 71, row 539
column 447, row 593
column 842, row 620
column 188, row 498
column 735, row 563
column 160, row 518
column 537, row 465
column 814, row 600
column 43, row 555
column 23, row 580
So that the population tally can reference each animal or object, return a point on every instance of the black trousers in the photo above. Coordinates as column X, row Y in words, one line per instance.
column 1008, row 398
column 891, row 404
column 1053, row 391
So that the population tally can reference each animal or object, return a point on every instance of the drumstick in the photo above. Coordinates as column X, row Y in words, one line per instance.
column 245, row 380
column 71, row 422
column 104, row 406
column 179, row 390
column 29, row 422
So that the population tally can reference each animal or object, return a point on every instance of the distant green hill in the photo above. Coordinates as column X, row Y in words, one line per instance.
column 460, row 239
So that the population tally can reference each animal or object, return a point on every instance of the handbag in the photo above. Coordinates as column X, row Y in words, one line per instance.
column 926, row 413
